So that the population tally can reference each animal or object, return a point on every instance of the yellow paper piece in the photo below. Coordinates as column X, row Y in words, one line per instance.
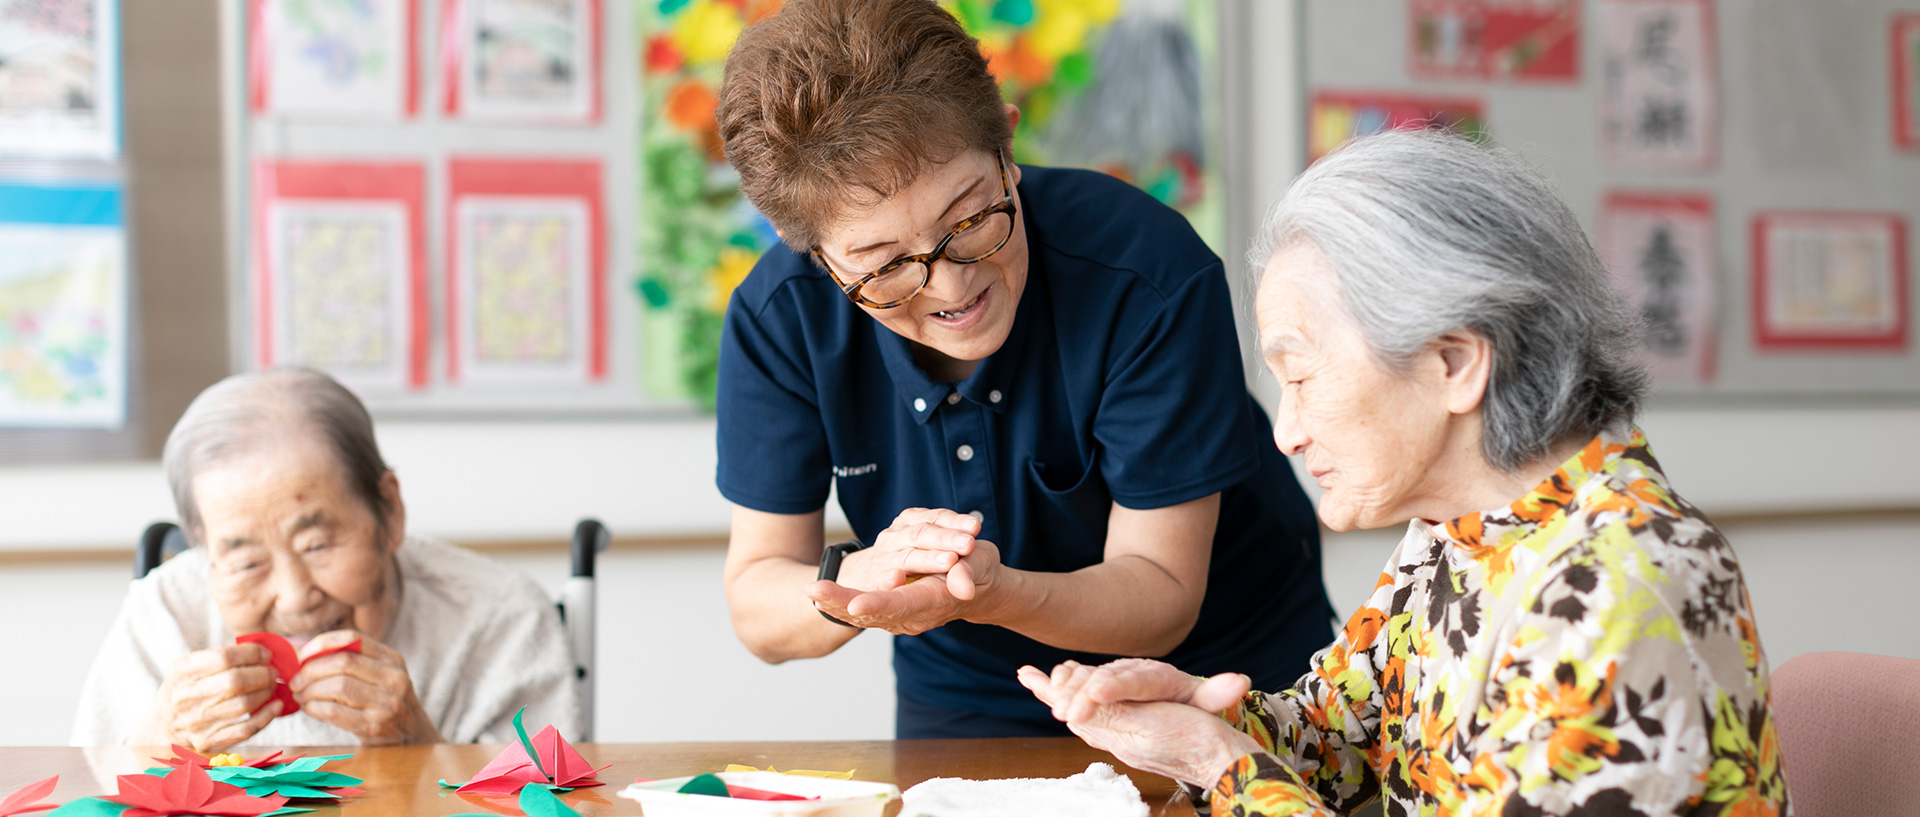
column 846, row 775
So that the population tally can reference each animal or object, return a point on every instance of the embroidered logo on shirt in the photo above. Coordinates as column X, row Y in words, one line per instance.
column 855, row 470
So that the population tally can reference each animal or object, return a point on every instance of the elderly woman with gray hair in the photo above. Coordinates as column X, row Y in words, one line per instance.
column 1558, row 632
column 300, row 531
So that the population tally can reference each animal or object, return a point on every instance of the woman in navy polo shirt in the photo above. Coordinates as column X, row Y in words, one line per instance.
column 1024, row 383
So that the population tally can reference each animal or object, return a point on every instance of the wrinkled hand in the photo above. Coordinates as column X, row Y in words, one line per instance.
column 208, row 698
column 367, row 693
column 1148, row 714
column 922, row 602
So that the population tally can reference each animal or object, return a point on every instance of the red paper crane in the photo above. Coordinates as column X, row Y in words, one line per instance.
column 558, row 765
column 21, row 801
column 188, row 790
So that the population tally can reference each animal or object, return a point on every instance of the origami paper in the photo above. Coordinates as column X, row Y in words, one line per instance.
column 187, row 790
column 89, row 807
column 296, row 777
column 547, row 761
column 19, row 801
column 706, row 784
column 846, row 775
column 537, row 801
column 286, row 664
column 712, row 786
column 182, row 756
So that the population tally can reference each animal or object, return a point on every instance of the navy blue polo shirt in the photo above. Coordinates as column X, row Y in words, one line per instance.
column 1120, row 381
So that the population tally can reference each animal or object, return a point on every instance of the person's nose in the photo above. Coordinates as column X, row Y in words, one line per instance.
column 949, row 282
column 1288, row 433
column 295, row 592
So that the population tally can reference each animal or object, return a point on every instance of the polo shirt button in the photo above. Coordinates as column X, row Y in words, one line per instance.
column 994, row 395
column 953, row 399
column 964, row 452
column 978, row 516
column 919, row 404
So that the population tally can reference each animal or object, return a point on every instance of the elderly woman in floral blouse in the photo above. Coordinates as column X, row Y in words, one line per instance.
column 1558, row 632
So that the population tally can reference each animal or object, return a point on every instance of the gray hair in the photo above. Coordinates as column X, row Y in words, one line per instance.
column 245, row 412
column 1429, row 233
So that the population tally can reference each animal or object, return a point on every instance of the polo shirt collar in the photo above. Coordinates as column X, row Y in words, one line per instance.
column 988, row 386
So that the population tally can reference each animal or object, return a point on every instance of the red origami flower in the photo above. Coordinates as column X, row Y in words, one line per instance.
column 182, row 756
column 18, row 802
column 188, row 790
column 512, row 769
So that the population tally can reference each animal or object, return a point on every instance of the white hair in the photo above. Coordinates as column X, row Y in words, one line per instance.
column 246, row 412
column 1429, row 233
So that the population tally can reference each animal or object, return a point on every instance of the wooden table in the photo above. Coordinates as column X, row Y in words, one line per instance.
column 402, row 781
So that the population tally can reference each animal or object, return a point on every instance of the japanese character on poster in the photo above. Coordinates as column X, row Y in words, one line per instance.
column 1659, row 248
column 1659, row 85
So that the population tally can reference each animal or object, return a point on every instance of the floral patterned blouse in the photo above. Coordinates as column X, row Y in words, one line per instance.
column 1587, row 650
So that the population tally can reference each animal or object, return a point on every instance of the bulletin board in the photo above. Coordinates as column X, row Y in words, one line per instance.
column 1794, row 158
column 521, row 208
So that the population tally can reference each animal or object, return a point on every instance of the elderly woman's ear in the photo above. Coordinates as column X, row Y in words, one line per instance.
column 396, row 528
column 1466, row 360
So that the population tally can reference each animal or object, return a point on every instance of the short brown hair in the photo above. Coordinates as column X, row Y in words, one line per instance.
column 837, row 103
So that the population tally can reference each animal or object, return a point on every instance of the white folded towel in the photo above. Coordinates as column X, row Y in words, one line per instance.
column 1096, row 792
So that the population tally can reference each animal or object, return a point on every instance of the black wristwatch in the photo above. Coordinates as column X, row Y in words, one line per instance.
column 830, row 570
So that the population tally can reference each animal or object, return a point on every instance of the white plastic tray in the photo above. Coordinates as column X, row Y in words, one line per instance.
column 838, row 798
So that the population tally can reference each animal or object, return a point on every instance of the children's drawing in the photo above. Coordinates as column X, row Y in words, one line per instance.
column 60, row 78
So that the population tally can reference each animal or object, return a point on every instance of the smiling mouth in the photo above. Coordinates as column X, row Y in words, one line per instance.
column 957, row 314
column 300, row 639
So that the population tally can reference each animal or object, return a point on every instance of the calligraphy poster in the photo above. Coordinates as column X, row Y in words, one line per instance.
column 63, row 307
column 1336, row 117
column 1496, row 39
column 1659, row 85
column 60, row 78
column 340, row 271
column 522, row 60
column 1659, row 248
column 526, row 272
column 333, row 58
column 1906, row 81
column 1830, row 280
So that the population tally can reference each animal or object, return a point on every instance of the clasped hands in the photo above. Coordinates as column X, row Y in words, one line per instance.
column 214, row 698
column 923, row 571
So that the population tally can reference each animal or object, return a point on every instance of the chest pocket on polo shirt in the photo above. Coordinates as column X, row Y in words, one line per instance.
column 1069, row 509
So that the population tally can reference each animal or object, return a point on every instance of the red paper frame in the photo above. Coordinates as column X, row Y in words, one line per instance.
column 1420, row 70
column 1693, row 203
column 1906, row 120
column 259, row 85
column 452, row 54
column 579, row 179
column 1767, row 337
column 404, row 182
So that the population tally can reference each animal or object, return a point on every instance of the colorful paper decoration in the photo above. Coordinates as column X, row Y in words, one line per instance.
column 545, row 761
column 182, row 790
column 1905, row 57
column 526, row 271
column 1832, row 281
column 1337, row 116
column 340, row 270
column 1495, row 39
column 298, row 777
column 183, row 756
column 286, row 664
column 22, row 800
column 346, row 60
column 1659, row 88
column 1660, row 249
column 521, row 60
